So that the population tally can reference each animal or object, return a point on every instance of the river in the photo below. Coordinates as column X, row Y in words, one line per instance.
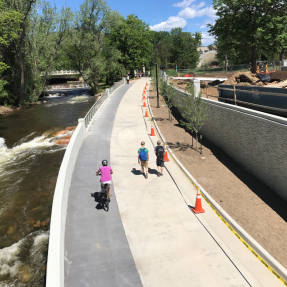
column 29, row 165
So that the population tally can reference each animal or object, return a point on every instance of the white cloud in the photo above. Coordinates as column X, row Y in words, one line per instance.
column 202, row 26
column 207, row 38
column 201, row 4
column 197, row 24
column 183, row 4
column 191, row 12
column 172, row 22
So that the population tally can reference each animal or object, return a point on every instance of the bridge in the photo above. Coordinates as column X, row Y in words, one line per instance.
column 64, row 74
column 149, row 237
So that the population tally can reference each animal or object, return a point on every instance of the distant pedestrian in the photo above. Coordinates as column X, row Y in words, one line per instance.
column 159, row 151
column 143, row 158
column 140, row 74
column 128, row 79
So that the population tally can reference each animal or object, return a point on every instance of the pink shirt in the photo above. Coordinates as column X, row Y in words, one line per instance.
column 105, row 173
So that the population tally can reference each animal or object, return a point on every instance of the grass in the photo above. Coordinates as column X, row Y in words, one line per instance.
column 104, row 86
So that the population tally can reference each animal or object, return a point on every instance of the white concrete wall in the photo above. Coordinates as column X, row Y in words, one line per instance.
column 256, row 140
column 55, row 264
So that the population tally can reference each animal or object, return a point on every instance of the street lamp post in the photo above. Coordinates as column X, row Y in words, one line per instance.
column 157, row 86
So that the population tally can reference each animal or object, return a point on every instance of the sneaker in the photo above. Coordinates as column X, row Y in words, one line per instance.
column 158, row 174
column 146, row 176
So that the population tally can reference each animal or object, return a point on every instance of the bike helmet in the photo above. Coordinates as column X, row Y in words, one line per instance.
column 104, row 162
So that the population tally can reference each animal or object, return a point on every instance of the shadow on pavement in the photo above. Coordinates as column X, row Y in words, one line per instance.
column 96, row 196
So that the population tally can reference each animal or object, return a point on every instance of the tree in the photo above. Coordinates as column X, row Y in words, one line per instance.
column 47, row 31
column 161, row 48
column 9, row 31
column 88, row 48
column 245, row 25
column 133, row 39
column 194, row 111
column 31, row 55
column 170, row 97
column 211, row 47
column 183, row 49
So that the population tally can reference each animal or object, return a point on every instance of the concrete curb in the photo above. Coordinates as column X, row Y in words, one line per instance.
column 251, row 241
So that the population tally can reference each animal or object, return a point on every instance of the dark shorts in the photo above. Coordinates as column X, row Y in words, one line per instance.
column 160, row 162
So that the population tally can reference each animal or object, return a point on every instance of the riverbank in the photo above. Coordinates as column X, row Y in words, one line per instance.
column 5, row 110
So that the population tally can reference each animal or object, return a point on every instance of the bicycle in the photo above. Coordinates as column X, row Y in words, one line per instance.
column 104, row 198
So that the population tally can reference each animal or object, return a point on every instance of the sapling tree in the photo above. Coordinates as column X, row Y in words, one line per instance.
column 194, row 111
column 170, row 97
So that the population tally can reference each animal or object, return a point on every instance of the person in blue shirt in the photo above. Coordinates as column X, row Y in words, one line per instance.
column 143, row 158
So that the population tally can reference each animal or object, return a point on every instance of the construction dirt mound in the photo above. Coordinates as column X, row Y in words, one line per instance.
column 278, row 76
column 244, row 79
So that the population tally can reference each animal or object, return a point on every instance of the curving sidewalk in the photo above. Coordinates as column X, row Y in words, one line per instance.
column 170, row 245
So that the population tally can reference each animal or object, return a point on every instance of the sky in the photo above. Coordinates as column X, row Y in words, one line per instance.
column 163, row 15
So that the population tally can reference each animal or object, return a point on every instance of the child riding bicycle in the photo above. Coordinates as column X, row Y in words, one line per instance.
column 105, row 171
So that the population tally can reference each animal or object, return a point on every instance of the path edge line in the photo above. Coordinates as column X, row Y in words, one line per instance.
column 249, row 242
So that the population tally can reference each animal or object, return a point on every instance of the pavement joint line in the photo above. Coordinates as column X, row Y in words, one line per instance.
column 212, row 207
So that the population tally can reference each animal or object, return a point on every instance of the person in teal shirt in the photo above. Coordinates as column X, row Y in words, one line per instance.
column 143, row 158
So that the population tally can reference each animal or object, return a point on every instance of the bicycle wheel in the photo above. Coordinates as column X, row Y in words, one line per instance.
column 106, row 205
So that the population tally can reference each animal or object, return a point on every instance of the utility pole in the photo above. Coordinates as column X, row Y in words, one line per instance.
column 157, row 86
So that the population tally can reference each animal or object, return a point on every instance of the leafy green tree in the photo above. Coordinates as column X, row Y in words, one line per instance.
column 48, row 29
column 183, row 48
column 246, row 25
column 211, row 47
column 161, row 48
column 31, row 55
column 88, row 47
column 194, row 110
column 133, row 39
column 9, row 31
column 170, row 97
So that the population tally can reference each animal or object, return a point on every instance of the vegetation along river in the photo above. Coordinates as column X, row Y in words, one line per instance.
column 29, row 165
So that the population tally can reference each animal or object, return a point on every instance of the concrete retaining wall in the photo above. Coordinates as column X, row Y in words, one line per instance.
column 256, row 140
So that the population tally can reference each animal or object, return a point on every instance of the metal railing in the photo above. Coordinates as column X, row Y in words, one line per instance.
column 64, row 72
column 93, row 110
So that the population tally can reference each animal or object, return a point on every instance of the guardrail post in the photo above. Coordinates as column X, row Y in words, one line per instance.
column 108, row 92
column 196, row 84
column 82, row 120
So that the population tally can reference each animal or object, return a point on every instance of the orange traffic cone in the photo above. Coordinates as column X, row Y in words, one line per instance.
column 198, row 207
column 146, row 84
column 144, row 91
column 144, row 97
column 165, row 155
column 152, row 130
column 144, row 105
column 145, row 87
column 146, row 114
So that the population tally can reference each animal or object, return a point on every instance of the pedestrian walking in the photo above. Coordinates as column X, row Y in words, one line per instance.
column 128, row 79
column 159, row 151
column 143, row 158
column 140, row 74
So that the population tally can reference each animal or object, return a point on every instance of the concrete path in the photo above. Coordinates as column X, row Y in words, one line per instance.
column 96, row 249
column 149, row 237
column 170, row 245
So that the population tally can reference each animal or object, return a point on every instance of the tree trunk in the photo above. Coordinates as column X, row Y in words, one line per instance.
column 281, row 54
column 253, row 59
column 132, row 72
